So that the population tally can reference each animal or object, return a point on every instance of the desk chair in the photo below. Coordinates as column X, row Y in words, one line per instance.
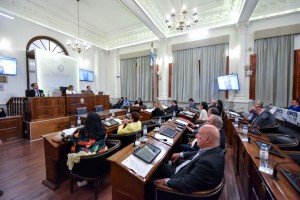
column 165, row 192
column 93, row 167
column 81, row 110
column 269, row 129
column 99, row 108
column 125, row 139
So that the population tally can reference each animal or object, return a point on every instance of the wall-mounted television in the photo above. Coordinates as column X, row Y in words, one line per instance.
column 8, row 66
column 86, row 75
column 228, row 82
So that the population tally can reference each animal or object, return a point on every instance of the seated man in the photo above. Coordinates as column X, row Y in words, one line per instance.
column 173, row 107
column 138, row 102
column 192, row 104
column 119, row 104
column 125, row 102
column 203, row 170
column 35, row 91
column 132, row 125
column 213, row 103
column 214, row 120
column 264, row 117
column 295, row 105
column 2, row 112
column 88, row 90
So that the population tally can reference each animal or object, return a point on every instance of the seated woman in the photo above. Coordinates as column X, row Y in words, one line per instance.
column 132, row 125
column 70, row 90
column 90, row 138
column 2, row 113
column 158, row 110
column 138, row 102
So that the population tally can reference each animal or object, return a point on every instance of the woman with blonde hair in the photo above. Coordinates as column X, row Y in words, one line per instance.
column 159, row 110
column 70, row 90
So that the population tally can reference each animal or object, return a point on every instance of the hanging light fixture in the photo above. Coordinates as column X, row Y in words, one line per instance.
column 183, row 21
column 78, row 45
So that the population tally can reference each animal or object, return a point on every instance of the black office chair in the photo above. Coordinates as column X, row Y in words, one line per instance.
column 125, row 139
column 99, row 108
column 93, row 167
column 165, row 192
column 165, row 117
column 269, row 129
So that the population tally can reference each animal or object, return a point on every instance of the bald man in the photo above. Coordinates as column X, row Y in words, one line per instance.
column 204, row 168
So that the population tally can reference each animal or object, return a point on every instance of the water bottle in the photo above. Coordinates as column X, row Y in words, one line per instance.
column 159, row 121
column 174, row 113
column 264, row 155
column 145, row 130
column 78, row 121
column 113, row 114
column 245, row 132
column 236, row 121
column 128, row 110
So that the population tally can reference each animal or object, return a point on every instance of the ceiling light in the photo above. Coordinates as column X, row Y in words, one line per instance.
column 5, row 15
column 183, row 21
column 78, row 45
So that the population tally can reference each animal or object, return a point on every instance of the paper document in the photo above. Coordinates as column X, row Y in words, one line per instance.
column 188, row 113
column 137, row 165
column 273, row 110
column 149, row 110
column 118, row 120
column 164, row 139
column 69, row 131
column 181, row 122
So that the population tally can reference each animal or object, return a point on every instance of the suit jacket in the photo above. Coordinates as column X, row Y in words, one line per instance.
column 31, row 93
column 204, row 172
column 264, row 119
column 171, row 109
column 157, row 112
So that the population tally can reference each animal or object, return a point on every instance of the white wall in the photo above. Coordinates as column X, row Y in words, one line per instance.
column 106, row 64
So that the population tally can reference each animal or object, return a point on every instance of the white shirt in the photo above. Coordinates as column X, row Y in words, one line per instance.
column 203, row 115
column 69, row 91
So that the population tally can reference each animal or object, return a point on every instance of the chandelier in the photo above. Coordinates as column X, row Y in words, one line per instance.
column 78, row 45
column 183, row 21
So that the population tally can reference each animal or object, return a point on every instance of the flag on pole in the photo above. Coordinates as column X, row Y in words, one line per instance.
column 151, row 55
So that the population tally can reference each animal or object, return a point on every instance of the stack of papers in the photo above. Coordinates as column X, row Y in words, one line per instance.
column 137, row 165
column 164, row 139
column 181, row 122
column 149, row 110
column 69, row 131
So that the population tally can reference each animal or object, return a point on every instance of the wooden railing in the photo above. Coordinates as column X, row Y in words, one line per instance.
column 15, row 106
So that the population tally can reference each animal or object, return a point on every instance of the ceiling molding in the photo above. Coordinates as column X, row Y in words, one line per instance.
column 139, row 12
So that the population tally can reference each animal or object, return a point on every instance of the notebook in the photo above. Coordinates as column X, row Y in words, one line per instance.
column 168, row 132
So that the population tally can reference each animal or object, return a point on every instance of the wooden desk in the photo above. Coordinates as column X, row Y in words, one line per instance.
column 40, row 108
column 107, row 113
column 125, row 183
column 256, row 184
column 56, row 159
column 10, row 128
column 145, row 115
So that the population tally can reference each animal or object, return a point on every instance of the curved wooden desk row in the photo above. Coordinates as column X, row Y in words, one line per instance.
column 256, row 184
column 56, row 169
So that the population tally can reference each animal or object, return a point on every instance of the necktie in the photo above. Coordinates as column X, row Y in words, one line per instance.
column 186, row 162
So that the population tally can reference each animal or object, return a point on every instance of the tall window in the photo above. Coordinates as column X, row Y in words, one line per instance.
column 40, row 42
column 195, row 72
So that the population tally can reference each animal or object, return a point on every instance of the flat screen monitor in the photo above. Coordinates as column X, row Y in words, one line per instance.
column 228, row 82
column 8, row 66
column 86, row 75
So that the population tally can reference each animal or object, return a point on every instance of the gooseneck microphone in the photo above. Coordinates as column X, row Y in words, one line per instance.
column 275, row 171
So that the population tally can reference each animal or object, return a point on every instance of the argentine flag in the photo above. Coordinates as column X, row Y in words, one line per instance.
column 151, row 55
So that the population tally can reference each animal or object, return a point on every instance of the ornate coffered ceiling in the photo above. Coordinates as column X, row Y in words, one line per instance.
column 111, row 24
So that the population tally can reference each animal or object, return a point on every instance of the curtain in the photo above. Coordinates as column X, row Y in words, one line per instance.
column 189, row 80
column 274, row 70
column 144, row 78
column 128, row 78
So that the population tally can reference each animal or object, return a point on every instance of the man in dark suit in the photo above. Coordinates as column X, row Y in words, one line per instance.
column 264, row 117
column 173, row 107
column 35, row 92
column 204, row 168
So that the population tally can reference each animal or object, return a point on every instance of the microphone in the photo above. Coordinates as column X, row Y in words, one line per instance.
column 275, row 171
